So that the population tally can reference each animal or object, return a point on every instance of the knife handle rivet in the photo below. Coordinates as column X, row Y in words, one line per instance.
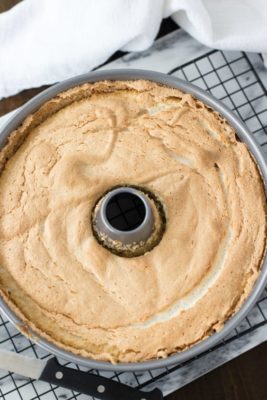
column 59, row 375
column 101, row 389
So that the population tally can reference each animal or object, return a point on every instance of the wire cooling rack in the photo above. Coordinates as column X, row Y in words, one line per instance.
column 232, row 78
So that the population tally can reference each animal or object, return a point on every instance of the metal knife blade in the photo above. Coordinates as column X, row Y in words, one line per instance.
column 22, row 365
column 52, row 372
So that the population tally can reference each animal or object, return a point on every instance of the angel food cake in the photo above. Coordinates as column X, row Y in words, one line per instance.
column 70, row 289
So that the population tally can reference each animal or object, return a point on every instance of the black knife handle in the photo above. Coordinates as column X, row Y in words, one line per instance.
column 93, row 385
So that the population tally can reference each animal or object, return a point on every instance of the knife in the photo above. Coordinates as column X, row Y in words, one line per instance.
column 52, row 372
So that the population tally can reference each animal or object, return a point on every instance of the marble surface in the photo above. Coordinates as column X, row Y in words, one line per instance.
column 234, row 78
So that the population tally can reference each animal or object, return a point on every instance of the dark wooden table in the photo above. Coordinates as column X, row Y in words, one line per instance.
column 244, row 378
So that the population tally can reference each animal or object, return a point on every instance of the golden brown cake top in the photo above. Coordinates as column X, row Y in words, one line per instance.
column 76, row 293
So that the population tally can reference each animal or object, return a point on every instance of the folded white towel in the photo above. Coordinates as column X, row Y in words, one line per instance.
column 45, row 41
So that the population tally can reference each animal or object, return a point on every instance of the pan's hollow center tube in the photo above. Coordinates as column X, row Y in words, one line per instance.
column 128, row 221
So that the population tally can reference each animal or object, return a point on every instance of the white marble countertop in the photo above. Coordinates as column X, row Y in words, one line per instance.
column 233, row 77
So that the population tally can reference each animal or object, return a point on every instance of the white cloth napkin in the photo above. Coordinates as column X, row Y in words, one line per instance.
column 45, row 41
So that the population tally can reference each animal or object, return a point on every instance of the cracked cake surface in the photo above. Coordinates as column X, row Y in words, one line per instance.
column 71, row 290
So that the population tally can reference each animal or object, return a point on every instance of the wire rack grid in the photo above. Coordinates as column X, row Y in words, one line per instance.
column 232, row 78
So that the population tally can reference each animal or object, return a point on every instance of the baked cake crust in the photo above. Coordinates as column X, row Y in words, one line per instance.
column 77, row 294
